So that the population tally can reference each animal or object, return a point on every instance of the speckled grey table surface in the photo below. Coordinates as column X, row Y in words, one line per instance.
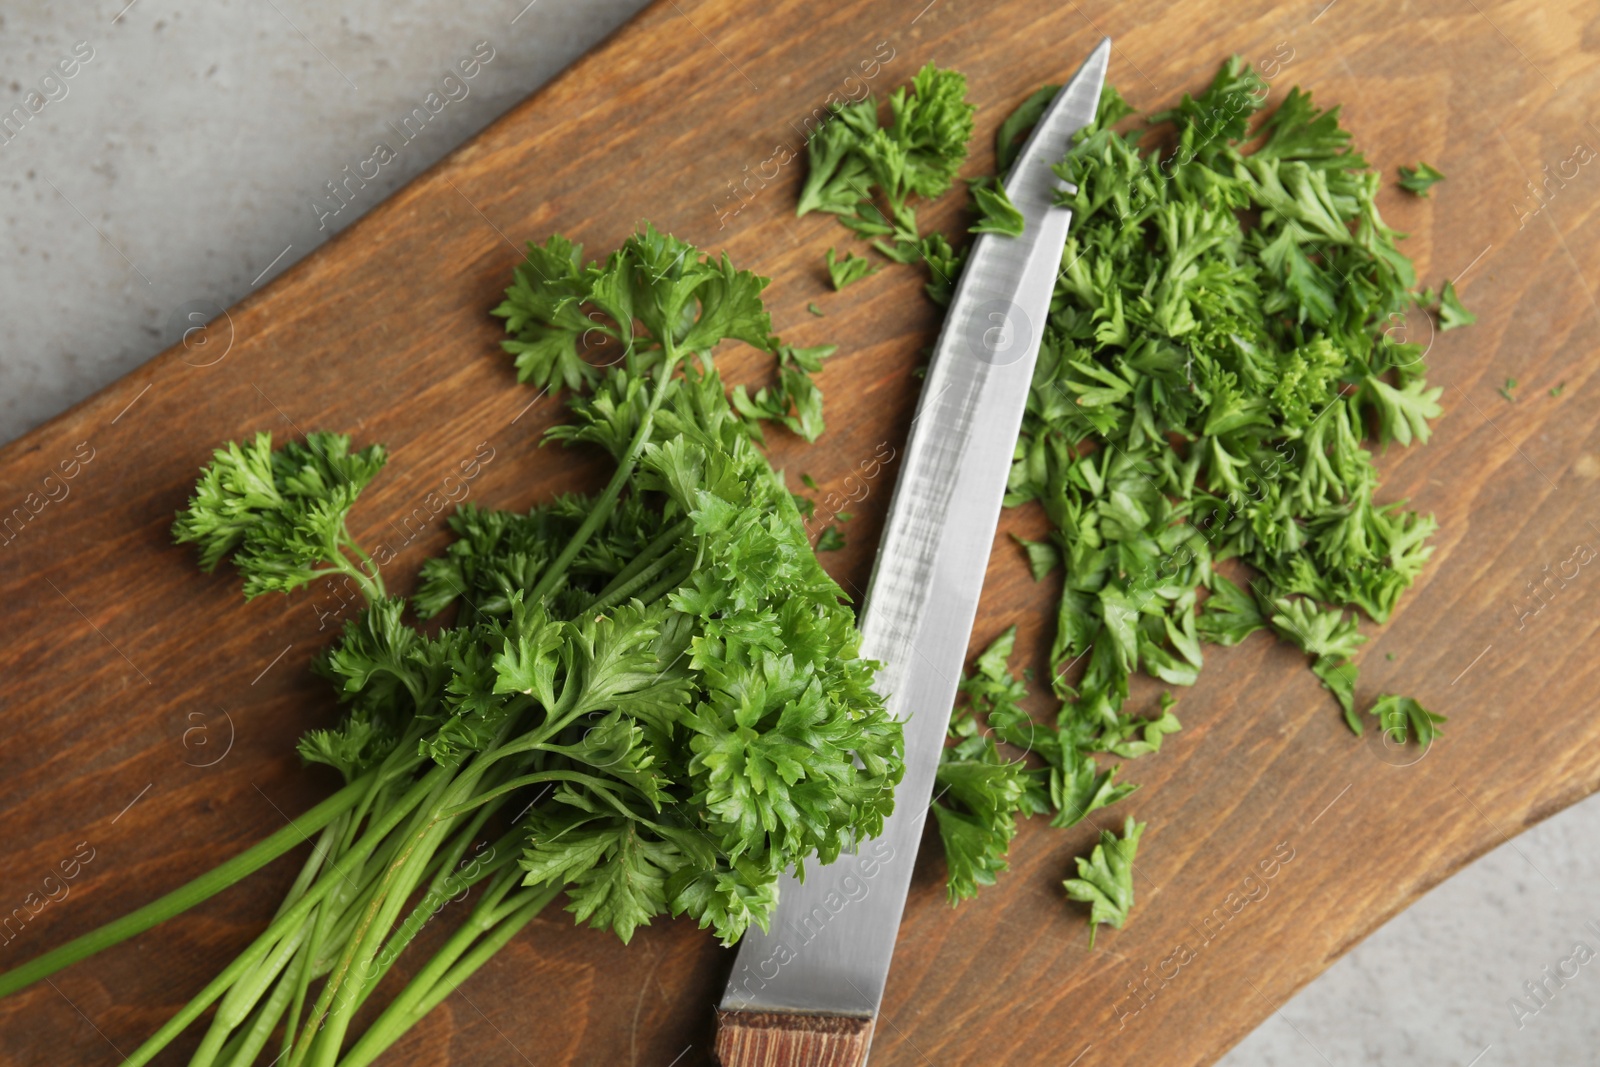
column 185, row 162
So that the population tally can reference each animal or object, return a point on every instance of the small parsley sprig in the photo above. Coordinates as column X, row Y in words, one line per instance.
column 850, row 268
column 868, row 174
column 281, row 515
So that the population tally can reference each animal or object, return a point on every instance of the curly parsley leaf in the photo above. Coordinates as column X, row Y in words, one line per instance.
column 654, row 296
column 1339, row 677
column 796, row 400
column 1078, row 787
column 983, row 791
column 870, row 175
column 980, row 797
column 831, row 539
column 1230, row 614
column 1318, row 631
column 1012, row 133
column 281, row 515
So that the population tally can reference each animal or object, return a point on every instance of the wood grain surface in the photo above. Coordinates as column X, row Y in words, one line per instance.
column 149, row 714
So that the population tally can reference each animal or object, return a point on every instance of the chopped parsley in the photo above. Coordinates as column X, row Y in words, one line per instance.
column 1402, row 718
column 872, row 175
column 1105, row 879
column 1417, row 180
column 1212, row 376
column 852, row 268
column 996, row 212
column 1451, row 313
column 980, row 790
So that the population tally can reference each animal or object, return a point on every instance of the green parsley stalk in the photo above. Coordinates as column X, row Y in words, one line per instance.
column 186, row 896
column 285, row 924
column 601, row 511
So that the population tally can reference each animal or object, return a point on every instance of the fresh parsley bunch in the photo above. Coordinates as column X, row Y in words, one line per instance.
column 650, row 699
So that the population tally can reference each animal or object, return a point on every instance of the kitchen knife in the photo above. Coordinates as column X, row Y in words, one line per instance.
column 807, row 991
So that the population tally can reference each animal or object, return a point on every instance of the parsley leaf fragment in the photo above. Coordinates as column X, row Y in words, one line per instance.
column 1419, row 179
column 1402, row 719
column 1011, row 136
column 996, row 212
column 1451, row 313
column 870, row 175
column 852, row 268
column 983, row 790
column 1105, row 879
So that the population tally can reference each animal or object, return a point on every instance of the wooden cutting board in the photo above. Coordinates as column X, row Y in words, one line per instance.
column 150, row 714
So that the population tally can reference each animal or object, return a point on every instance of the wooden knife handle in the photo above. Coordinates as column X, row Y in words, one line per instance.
column 786, row 1039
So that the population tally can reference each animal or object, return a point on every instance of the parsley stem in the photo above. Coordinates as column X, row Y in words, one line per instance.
column 491, row 925
column 423, row 838
column 371, row 584
column 623, row 584
column 235, row 1008
column 289, row 919
column 186, row 896
column 450, row 879
column 598, row 785
column 603, row 505
column 325, row 917
column 667, row 584
column 248, row 1042
column 557, row 719
column 615, row 593
column 240, row 1001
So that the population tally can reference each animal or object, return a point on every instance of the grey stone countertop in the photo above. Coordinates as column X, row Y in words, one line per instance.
column 258, row 103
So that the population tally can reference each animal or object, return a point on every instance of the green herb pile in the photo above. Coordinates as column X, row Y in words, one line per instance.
column 650, row 698
column 1213, row 370
column 871, row 176
column 1206, row 390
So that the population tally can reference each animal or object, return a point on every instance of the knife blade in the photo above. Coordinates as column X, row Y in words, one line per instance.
column 808, row 990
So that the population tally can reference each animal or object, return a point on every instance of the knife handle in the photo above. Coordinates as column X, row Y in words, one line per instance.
column 790, row 1039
